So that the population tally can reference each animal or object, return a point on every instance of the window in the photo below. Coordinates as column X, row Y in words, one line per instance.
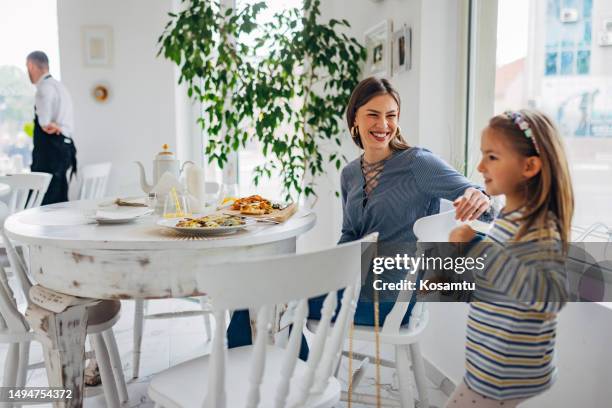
column 559, row 68
column 568, row 36
column 251, row 156
column 17, row 17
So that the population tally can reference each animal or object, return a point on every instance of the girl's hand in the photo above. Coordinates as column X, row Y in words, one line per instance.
column 471, row 204
column 463, row 233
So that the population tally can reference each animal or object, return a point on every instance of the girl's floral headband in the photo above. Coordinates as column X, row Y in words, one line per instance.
column 520, row 121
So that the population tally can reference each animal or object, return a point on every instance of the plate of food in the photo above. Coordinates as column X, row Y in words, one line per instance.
column 213, row 224
column 256, row 206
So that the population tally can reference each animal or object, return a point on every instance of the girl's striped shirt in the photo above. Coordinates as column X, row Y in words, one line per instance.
column 512, row 322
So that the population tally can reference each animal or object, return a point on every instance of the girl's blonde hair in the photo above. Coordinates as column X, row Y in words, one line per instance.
column 550, row 191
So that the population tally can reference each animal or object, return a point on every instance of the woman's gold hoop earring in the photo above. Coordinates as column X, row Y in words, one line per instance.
column 398, row 131
column 355, row 131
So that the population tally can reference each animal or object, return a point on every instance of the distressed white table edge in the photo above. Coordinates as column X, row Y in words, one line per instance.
column 136, row 260
column 143, row 234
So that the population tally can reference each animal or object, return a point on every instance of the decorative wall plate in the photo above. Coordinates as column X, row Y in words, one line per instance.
column 100, row 93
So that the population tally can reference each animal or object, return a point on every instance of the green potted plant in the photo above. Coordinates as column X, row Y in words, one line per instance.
column 287, row 87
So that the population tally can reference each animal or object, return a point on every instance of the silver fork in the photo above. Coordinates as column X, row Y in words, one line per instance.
column 258, row 219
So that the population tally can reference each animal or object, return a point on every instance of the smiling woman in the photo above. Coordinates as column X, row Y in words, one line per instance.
column 393, row 184
column 392, row 177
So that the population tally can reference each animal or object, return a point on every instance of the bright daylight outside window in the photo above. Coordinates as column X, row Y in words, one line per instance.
column 556, row 56
column 251, row 156
column 17, row 19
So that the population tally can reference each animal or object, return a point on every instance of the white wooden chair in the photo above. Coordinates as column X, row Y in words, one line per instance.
column 404, row 338
column 264, row 375
column 27, row 190
column 445, row 205
column 15, row 331
column 140, row 306
column 94, row 178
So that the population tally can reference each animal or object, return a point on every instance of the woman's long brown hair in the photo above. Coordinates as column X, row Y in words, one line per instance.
column 551, row 189
column 363, row 92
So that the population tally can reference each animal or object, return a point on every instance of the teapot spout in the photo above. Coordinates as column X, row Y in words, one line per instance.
column 146, row 187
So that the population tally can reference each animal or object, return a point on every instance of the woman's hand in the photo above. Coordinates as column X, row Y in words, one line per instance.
column 471, row 204
column 463, row 233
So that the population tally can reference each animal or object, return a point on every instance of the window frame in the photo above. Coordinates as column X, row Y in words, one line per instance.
column 480, row 91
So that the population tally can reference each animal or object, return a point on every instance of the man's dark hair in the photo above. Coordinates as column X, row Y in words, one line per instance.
column 39, row 59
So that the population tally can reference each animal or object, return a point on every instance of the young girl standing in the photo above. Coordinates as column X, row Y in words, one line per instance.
column 512, row 322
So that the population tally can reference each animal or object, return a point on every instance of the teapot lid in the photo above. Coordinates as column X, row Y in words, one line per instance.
column 165, row 152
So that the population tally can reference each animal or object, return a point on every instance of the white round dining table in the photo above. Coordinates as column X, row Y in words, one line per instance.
column 72, row 254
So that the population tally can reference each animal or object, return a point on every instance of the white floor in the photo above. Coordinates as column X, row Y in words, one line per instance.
column 171, row 341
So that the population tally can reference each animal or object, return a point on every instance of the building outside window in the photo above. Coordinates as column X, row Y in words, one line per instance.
column 568, row 37
column 550, row 57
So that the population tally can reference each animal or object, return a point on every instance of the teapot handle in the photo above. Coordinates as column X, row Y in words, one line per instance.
column 183, row 166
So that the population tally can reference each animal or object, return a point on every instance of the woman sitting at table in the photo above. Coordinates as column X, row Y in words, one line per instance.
column 391, row 185
column 386, row 190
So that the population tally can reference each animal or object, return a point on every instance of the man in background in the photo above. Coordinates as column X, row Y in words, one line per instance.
column 54, row 151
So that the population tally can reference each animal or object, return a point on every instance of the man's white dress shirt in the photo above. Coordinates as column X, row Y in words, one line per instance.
column 54, row 104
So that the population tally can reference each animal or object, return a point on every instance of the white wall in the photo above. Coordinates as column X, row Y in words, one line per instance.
column 365, row 14
column 140, row 115
column 440, row 70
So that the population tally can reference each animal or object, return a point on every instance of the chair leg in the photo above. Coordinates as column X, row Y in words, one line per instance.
column 206, row 310
column 106, row 372
column 138, row 328
column 419, row 374
column 404, row 375
column 11, row 366
column 115, row 361
column 24, row 361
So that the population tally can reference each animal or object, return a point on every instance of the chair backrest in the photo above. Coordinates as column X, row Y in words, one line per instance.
column 94, row 178
column 27, row 190
column 431, row 228
column 10, row 317
column 446, row 205
column 436, row 227
column 261, row 284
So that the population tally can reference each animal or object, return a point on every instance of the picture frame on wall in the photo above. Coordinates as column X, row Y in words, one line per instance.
column 402, row 50
column 378, row 46
column 97, row 46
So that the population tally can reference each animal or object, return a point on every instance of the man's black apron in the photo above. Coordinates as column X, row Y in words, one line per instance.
column 53, row 154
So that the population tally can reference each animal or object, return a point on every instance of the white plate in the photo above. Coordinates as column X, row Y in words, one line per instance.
column 171, row 223
column 119, row 217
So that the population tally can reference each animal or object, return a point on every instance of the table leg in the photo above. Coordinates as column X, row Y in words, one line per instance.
column 63, row 336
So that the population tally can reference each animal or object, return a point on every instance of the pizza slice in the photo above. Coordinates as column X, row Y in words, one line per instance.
column 252, row 209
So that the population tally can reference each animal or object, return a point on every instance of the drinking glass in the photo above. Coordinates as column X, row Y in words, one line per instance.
column 176, row 206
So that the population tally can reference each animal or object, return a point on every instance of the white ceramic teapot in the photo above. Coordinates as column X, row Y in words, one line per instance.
column 165, row 162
